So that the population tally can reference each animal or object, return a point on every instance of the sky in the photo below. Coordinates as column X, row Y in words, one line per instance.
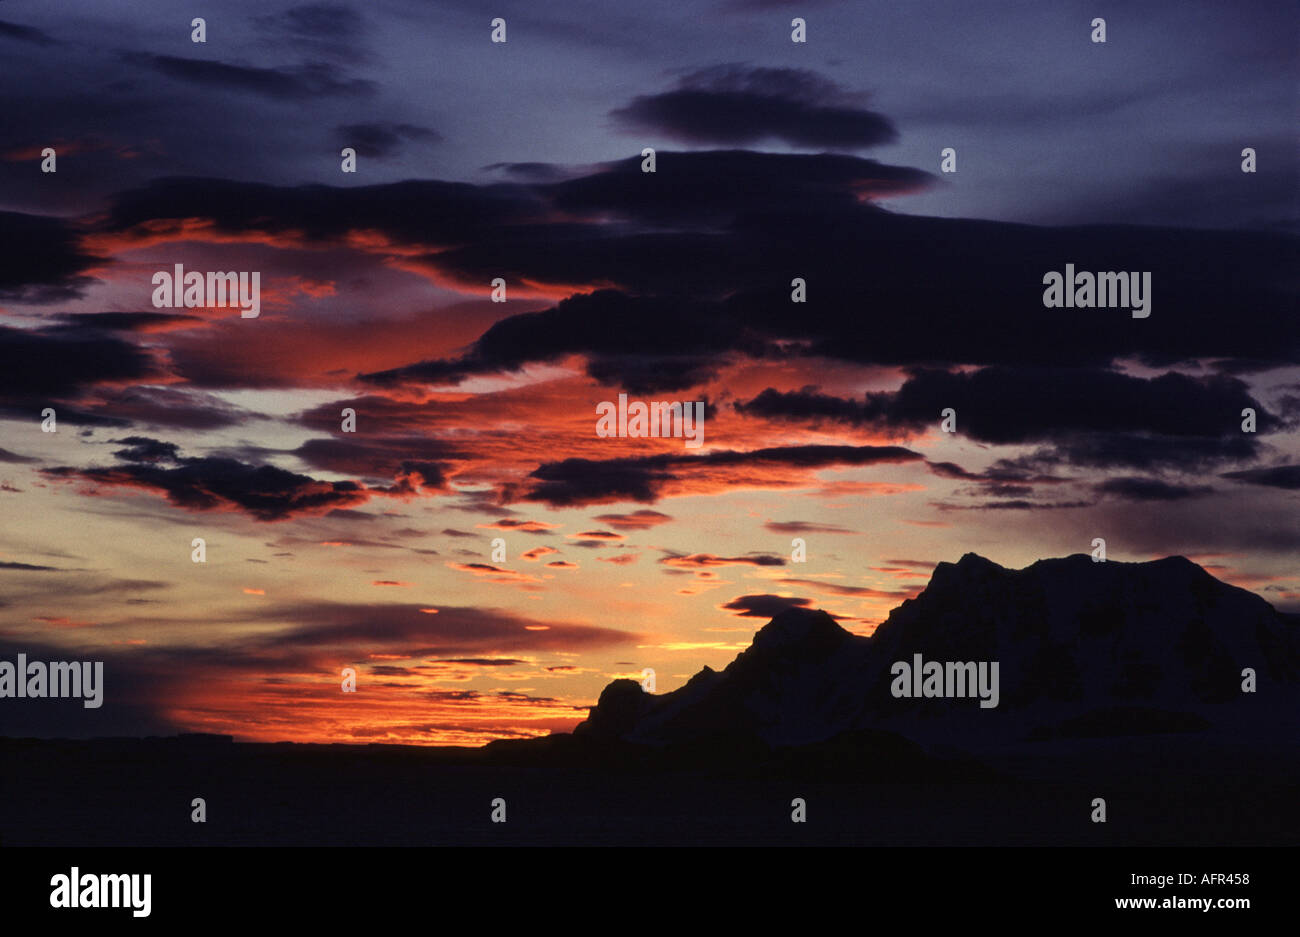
column 475, row 420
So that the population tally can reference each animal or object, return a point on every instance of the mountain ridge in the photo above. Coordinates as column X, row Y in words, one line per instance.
column 1113, row 647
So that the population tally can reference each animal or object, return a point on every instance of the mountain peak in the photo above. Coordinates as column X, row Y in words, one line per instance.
column 1071, row 638
column 799, row 627
column 970, row 566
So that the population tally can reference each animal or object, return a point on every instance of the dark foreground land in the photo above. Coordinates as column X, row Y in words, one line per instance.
column 1167, row 694
column 875, row 789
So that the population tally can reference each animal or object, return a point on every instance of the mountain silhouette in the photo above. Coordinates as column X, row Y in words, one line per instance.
column 1084, row 650
column 1116, row 680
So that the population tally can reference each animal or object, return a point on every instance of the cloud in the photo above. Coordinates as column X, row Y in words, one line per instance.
column 805, row 527
column 1150, row 489
column 1189, row 454
column 13, row 457
column 640, row 343
column 693, row 269
column 531, row 527
column 25, row 34
column 736, row 104
column 1278, row 476
column 132, row 321
column 265, row 492
column 327, row 27
column 432, row 213
column 42, row 262
column 498, row 574
column 171, row 407
column 858, row 591
column 1023, row 404
column 643, row 519
column 417, row 459
column 309, row 81
column 620, row 559
column 480, row 661
column 57, row 366
column 705, row 560
column 577, row 481
column 382, row 140
column 763, row 606
column 484, row 632
column 144, row 449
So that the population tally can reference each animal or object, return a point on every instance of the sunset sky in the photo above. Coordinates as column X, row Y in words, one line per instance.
column 476, row 420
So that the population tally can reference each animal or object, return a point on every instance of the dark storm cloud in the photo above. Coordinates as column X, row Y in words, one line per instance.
column 641, row 343
column 644, row 478
column 1278, row 476
column 1092, row 417
column 304, row 82
column 40, row 261
column 265, row 492
column 808, row 404
column 736, row 104
column 861, row 265
column 425, row 212
column 381, row 140
column 645, row 374
column 41, row 366
column 987, row 308
column 737, row 218
column 1004, row 405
